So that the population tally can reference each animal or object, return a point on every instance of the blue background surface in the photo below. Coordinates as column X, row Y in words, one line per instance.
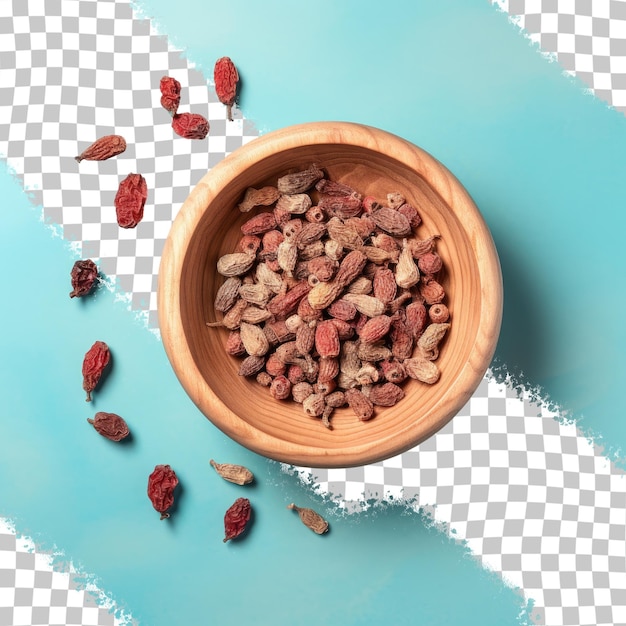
column 545, row 164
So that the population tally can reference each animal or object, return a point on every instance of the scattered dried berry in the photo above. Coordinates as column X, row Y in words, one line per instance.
column 84, row 276
column 226, row 79
column 103, row 148
column 311, row 519
column 236, row 518
column 237, row 474
column 110, row 425
column 170, row 94
column 190, row 125
column 94, row 363
column 161, row 485
column 130, row 200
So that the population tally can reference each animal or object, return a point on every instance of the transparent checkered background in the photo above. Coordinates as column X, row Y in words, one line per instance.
column 530, row 496
column 586, row 37
column 57, row 106
column 533, row 499
column 32, row 591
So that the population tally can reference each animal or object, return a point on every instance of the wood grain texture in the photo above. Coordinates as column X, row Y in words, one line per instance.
column 207, row 226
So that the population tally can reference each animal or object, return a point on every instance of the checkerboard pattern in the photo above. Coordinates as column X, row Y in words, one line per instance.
column 32, row 591
column 58, row 105
column 586, row 37
column 532, row 498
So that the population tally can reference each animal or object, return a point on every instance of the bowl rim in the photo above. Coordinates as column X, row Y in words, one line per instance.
column 182, row 230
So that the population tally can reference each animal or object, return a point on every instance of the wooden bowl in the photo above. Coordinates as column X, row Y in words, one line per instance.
column 208, row 225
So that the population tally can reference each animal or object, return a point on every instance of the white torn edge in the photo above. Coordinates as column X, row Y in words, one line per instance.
column 393, row 495
column 534, row 38
column 109, row 283
column 68, row 578
column 552, row 56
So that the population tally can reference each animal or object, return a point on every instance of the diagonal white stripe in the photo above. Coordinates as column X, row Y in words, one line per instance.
column 531, row 496
column 580, row 36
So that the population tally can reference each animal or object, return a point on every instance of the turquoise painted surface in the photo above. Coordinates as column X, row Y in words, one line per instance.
column 546, row 165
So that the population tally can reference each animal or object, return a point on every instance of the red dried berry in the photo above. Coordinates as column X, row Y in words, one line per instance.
column 226, row 79
column 95, row 361
column 280, row 387
column 410, row 212
column 429, row 263
column 110, row 425
column 236, row 518
column 439, row 313
column 103, row 148
column 170, row 94
column 130, row 200
column 84, row 275
column 161, row 485
column 190, row 125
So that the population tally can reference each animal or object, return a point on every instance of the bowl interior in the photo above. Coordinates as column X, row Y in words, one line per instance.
column 281, row 430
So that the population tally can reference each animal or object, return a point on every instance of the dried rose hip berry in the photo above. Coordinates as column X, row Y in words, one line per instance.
column 84, row 275
column 103, row 148
column 190, row 125
column 95, row 361
column 237, row 474
column 310, row 518
column 236, row 518
column 161, row 485
column 130, row 200
column 226, row 79
column 110, row 425
column 170, row 94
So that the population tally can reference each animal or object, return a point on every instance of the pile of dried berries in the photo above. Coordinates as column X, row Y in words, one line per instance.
column 330, row 297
